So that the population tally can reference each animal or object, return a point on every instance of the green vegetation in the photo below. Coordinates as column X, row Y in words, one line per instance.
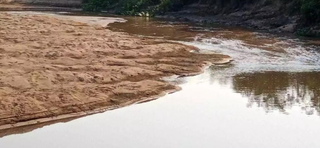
column 95, row 5
column 133, row 7
column 308, row 10
column 307, row 32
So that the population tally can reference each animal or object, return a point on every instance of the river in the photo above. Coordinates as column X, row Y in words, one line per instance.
column 268, row 97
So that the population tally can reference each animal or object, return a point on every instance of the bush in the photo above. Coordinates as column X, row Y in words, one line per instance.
column 95, row 5
column 132, row 7
column 307, row 32
column 310, row 9
column 167, row 5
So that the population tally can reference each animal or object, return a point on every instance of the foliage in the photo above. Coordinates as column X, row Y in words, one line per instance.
column 133, row 7
column 307, row 32
column 309, row 9
column 95, row 5
column 167, row 5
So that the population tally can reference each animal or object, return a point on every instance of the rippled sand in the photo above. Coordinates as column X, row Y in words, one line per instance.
column 55, row 68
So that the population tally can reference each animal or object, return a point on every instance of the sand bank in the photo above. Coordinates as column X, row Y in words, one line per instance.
column 54, row 68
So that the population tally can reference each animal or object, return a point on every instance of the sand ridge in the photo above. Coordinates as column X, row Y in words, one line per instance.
column 52, row 67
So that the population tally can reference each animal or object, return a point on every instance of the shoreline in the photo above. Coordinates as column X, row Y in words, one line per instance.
column 82, row 114
column 21, row 127
column 33, row 7
column 194, row 14
column 153, row 64
column 261, row 18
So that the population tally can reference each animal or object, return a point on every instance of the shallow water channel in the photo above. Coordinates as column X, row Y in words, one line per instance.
column 268, row 97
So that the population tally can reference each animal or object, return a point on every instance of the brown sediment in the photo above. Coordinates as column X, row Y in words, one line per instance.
column 31, row 127
column 53, row 68
column 33, row 7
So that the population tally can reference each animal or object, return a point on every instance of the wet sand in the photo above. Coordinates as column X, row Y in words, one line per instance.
column 54, row 68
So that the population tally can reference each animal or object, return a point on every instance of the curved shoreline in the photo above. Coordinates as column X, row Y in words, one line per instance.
column 139, row 65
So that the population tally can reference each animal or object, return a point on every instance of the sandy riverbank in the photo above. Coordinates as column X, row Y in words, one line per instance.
column 32, row 7
column 55, row 68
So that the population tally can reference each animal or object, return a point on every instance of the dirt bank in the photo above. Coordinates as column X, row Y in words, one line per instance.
column 273, row 17
column 55, row 68
column 60, row 3
column 29, row 7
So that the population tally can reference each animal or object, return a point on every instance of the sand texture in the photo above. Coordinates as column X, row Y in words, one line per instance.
column 51, row 67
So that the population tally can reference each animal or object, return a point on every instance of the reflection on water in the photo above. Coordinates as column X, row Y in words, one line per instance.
column 252, row 51
column 269, row 97
column 268, row 69
column 271, row 90
column 208, row 112
column 280, row 90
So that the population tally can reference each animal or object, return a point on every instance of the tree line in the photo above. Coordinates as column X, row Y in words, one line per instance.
column 309, row 9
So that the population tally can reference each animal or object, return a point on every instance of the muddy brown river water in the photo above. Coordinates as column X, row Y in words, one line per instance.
column 268, row 97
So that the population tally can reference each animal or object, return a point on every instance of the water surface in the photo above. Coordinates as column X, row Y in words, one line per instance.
column 269, row 97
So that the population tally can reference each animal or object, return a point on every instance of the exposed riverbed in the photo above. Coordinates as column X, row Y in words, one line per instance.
column 268, row 97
